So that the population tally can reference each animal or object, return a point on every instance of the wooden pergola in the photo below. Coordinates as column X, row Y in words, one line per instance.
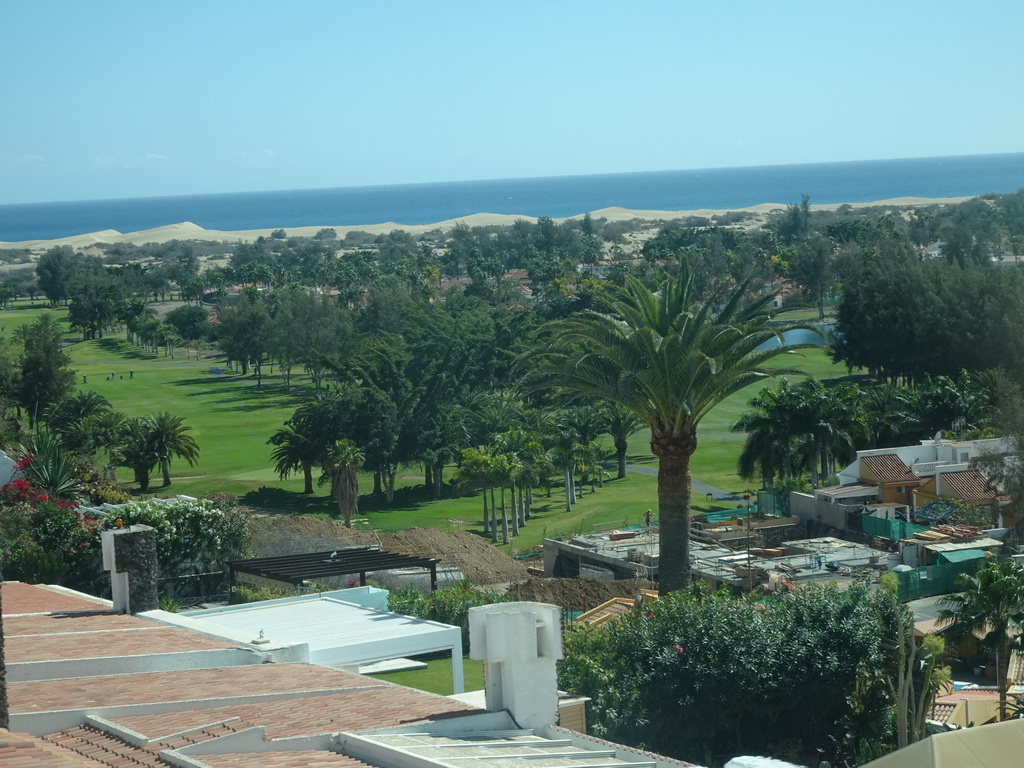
column 296, row 569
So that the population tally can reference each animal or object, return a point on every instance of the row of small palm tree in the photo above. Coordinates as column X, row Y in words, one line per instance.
column 812, row 428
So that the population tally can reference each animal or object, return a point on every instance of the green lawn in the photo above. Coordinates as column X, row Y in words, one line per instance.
column 232, row 419
column 437, row 677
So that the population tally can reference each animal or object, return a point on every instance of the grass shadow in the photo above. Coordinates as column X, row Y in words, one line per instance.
column 279, row 501
column 122, row 348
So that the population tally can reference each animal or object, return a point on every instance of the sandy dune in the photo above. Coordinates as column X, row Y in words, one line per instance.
column 186, row 230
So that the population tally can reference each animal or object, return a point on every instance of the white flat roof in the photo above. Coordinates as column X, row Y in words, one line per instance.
column 337, row 632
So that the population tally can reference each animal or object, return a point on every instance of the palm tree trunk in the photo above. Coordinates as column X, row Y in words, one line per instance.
column 504, row 518
column 165, row 468
column 529, row 501
column 568, row 490
column 674, row 490
column 307, row 477
column 494, row 518
column 620, row 455
column 487, row 518
column 1001, row 683
column 515, row 510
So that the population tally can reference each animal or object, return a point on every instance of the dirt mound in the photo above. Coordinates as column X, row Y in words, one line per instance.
column 480, row 561
column 578, row 594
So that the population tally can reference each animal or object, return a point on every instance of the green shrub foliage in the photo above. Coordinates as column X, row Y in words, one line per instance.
column 699, row 673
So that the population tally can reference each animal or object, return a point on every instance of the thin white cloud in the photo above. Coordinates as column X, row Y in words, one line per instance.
column 252, row 158
column 21, row 161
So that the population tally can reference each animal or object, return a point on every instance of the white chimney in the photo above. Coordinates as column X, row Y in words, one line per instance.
column 519, row 644
column 130, row 556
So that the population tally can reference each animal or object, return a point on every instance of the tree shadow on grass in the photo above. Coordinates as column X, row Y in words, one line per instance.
column 279, row 501
column 122, row 348
column 247, row 396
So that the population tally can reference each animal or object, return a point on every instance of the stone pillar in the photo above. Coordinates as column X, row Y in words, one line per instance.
column 130, row 556
column 519, row 644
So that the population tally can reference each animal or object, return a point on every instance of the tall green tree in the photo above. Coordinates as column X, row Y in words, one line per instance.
column 992, row 604
column 670, row 360
column 54, row 271
column 45, row 376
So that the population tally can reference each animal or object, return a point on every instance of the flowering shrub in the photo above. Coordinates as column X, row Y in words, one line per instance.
column 191, row 536
column 448, row 605
column 43, row 539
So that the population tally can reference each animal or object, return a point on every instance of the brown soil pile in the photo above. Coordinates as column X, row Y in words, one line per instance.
column 480, row 561
column 578, row 594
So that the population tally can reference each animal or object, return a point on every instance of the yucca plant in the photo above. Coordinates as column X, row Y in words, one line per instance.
column 52, row 468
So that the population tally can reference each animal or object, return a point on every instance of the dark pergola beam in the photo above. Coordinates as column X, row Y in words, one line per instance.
column 295, row 569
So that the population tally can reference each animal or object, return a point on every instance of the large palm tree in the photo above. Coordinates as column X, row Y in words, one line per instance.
column 341, row 469
column 297, row 449
column 773, row 447
column 136, row 451
column 169, row 436
column 669, row 360
column 992, row 603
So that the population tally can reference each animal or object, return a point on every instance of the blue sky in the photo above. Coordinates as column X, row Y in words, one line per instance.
column 107, row 99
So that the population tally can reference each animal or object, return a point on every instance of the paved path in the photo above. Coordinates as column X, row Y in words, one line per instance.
column 699, row 488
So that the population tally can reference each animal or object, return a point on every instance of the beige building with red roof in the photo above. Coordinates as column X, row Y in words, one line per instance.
column 915, row 475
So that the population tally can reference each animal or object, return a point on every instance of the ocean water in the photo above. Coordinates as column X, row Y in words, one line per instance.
column 559, row 196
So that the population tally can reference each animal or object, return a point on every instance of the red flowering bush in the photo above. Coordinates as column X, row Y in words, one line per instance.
column 43, row 539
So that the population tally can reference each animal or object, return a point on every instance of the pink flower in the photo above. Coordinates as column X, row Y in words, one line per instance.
column 679, row 648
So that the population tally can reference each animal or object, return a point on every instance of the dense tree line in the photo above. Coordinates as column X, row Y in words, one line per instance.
column 902, row 317
column 815, row 428
column 704, row 677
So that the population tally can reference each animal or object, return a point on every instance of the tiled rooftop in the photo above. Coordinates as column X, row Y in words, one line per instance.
column 969, row 485
column 304, row 758
column 182, row 685
column 942, row 710
column 889, row 469
column 26, row 598
column 108, row 643
column 108, row 750
column 20, row 751
column 385, row 706
column 174, row 710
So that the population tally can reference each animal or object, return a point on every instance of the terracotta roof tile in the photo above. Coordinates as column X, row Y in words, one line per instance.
column 942, row 710
column 63, row 623
column 37, row 598
column 969, row 485
column 381, row 707
column 19, row 750
column 981, row 694
column 889, row 469
column 305, row 758
column 182, row 685
column 105, row 748
column 90, row 645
